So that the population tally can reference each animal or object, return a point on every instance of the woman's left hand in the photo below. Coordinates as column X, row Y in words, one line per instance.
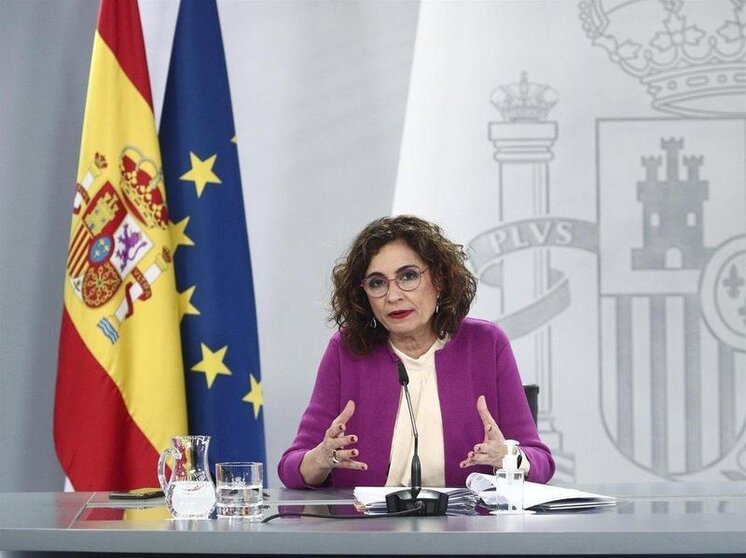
column 492, row 450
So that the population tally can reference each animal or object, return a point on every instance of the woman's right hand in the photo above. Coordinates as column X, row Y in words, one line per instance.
column 330, row 453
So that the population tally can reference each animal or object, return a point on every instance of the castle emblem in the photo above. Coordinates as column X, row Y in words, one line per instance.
column 672, row 212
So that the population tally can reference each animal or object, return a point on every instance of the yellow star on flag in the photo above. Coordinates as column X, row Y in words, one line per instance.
column 201, row 172
column 178, row 234
column 254, row 396
column 185, row 303
column 212, row 364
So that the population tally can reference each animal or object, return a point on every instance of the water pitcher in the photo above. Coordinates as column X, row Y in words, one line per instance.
column 190, row 493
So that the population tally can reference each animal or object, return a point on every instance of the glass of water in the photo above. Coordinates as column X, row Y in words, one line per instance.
column 239, row 487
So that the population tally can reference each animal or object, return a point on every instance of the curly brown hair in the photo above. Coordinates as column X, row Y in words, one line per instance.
column 351, row 310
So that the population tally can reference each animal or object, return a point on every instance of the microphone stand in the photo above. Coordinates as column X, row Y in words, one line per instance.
column 420, row 502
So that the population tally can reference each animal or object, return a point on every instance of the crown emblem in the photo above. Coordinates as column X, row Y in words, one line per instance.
column 140, row 183
column 524, row 101
column 691, row 55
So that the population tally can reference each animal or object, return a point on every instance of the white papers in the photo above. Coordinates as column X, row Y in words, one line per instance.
column 539, row 497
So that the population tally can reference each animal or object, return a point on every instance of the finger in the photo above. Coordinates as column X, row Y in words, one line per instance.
column 485, row 453
column 490, row 447
column 341, row 441
column 344, row 455
column 347, row 412
column 352, row 464
column 490, row 453
column 490, row 426
column 345, row 459
column 340, row 422
column 476, row 459
column 470, row 461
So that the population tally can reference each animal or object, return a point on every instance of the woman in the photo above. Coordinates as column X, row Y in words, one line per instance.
column 402, row 295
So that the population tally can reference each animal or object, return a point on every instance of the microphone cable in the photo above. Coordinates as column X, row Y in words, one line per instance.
column 418, row 506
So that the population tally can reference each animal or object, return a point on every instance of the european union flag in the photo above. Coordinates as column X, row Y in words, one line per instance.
column 210, row 242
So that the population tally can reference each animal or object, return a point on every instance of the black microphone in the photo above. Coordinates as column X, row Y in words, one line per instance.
column 416, row 475
column 420, row 502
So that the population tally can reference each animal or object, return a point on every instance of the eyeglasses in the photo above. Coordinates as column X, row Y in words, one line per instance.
column 407, row 279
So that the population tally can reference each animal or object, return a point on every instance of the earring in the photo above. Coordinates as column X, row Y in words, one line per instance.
column 374, row 323
column 437, row 307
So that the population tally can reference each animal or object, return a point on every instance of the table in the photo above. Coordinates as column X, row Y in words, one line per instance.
column 651, row 518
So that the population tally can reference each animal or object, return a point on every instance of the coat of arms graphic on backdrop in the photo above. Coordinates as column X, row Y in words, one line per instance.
column 670, row 268
column 672, row 224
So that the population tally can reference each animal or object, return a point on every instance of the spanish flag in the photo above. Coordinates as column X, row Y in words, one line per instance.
column 120, row 384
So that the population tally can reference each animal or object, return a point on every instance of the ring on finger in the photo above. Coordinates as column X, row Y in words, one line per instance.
column 335, row 458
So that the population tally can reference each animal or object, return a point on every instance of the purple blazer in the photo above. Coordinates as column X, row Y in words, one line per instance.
column 476, row 361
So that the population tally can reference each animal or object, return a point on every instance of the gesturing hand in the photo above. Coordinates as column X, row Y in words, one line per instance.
column 330, row 453
column 492, row 450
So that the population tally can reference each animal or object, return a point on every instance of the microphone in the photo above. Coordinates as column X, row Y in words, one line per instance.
column 420, row 502
column 416, row 475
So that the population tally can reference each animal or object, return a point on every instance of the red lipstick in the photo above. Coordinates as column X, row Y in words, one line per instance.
column 400, row 314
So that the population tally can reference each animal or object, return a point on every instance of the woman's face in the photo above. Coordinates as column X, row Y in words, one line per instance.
column 406, row 315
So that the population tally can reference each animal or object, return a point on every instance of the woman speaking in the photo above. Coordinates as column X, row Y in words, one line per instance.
column 402, row 295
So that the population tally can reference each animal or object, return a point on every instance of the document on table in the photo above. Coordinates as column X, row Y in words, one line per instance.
column 540, row 497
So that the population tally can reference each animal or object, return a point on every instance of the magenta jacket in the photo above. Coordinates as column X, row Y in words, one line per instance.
column 476, row 361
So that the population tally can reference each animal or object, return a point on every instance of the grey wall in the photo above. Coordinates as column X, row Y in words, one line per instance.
column 44, row 55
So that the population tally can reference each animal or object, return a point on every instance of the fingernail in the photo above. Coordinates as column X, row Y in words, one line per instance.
column 354, row 452
column 341, row 427
column 489, row 428
column 354, row 438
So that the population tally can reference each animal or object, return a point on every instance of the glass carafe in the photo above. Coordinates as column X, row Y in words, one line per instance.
column 190, row 493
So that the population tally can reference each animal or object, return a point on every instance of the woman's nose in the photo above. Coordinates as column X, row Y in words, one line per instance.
column 394, row 293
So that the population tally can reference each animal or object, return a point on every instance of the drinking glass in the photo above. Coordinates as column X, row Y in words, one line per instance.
column 239, row 489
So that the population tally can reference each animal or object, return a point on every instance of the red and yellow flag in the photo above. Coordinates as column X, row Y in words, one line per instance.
column 120, row 386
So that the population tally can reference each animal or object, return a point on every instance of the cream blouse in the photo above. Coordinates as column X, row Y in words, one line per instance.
column 423, row 389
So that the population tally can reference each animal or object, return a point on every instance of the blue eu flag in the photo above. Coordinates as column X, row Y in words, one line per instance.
column 210, row 242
